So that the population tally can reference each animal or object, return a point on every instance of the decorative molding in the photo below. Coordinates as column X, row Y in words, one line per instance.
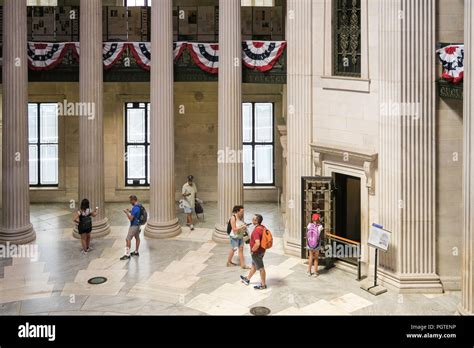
column 369, row 171
column 318, row 162
column 282, row 130
column 365, row 159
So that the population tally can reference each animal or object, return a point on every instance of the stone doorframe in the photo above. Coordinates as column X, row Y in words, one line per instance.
column 328, row 160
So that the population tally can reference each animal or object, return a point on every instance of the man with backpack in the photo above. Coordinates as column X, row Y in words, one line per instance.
column 137, row 217
column 260, row 240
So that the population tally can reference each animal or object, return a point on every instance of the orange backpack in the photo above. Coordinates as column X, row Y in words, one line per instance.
column 267, row 239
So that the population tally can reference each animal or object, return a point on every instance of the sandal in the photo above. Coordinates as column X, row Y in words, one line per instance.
column 246, row 267
column 231, row 264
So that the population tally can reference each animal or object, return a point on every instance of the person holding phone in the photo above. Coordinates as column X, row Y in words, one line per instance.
column 236, row 229
column 189, row 192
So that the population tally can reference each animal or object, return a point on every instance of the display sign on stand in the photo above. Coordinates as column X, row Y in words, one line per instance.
column 379, row 239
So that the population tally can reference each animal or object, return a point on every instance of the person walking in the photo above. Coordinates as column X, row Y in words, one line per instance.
column 236, row 228
column 257, row 254
column 134, row 216
column 83, row 219
column 189, row 192
column 313, row 239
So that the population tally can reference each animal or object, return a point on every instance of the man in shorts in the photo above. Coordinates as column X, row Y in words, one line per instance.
column 189, row 192
column 134, row 229
column 257, row 254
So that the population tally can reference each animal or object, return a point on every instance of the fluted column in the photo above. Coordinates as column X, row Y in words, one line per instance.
column 466, row 306
column 230, row 165
column 163, row 222
column 91, row 128
column 299, row 87
column 408, row 143
column 16, row 226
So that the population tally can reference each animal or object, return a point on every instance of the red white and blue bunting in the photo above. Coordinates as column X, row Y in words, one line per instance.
column 45, row 56
column 262, row 55
column 141, row 51
column 256, row 55
column 178, row 49
column 205, row 55
column 112, row 52
column 452, row 59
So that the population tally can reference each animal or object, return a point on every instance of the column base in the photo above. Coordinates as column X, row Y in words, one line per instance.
column 220, row 234
column 291, row 247
column 99, row 229
column 406, row 284
column 23, row 235
column 162, row 230
column 464, row 311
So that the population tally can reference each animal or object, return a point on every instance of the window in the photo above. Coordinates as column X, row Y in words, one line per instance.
column 42, row 2
column 259, row 3
column 137, row 144
column 43, row 144
column 131, row 3
column 347, row 38
column 258, row 144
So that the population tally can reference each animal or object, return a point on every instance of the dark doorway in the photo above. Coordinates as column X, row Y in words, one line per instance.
column 347, row 206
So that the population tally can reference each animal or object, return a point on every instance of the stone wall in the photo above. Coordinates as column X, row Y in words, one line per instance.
column 195, row 138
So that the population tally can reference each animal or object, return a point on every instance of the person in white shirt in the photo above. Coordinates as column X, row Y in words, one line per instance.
column 236, row 229
column 189, row 192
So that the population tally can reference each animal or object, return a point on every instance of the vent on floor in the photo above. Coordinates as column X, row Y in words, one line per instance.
column 260, row 311
column 97, row 280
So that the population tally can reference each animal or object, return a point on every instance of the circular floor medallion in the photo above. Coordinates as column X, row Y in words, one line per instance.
column 260, row 311
column 97, row 280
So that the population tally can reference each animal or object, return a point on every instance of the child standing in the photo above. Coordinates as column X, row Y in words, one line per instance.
column 313, row 239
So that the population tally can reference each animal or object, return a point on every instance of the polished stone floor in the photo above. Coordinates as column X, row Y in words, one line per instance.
column 185, row 275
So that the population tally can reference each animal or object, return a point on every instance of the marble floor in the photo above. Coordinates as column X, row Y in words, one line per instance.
column 185, row 275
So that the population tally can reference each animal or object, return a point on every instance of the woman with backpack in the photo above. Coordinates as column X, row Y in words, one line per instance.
column 313, row 239
column 83, row 219
column 236, row 227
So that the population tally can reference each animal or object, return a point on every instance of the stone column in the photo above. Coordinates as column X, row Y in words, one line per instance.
column 466, row 306
column 407, row 167
column 163, row 222
column 299, row 91
column 16, row 227
column 230, row 166
column 91, row 128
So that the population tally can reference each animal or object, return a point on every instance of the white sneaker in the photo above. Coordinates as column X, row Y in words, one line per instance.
column 83, row 252
column 191, row 227
column 309, row 274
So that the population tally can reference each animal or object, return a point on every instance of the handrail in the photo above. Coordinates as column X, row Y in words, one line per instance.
column 333, row 236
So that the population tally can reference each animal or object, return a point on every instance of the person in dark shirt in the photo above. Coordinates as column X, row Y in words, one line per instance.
column 257, row 254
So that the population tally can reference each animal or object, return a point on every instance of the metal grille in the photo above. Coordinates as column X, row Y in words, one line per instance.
column 347, row 37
